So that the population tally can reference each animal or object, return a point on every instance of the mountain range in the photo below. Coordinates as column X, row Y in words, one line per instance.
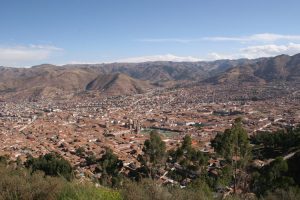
column 279, row 68
column 131, row 78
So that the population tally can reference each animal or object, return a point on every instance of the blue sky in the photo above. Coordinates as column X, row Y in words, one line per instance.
column 94, row 31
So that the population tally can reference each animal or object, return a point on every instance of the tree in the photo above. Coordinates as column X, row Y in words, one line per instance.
column 234, row 146
column 187, row 143
column 294, row 170
column 154, row 154
column 52, row 164
column 189, row 158
column 90, row 160
column 4, row 159
column 80, row 151
column 272, row 177
column 110, row 166
column 274, row 144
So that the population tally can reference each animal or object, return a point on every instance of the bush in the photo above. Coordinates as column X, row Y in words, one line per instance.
column 51, row 164
column 80, row 151
column 290, row 194
column 148, row 189
column 21, row 184
column 88, row 192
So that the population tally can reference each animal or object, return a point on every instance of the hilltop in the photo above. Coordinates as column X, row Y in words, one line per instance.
column 279, row 68
column 49, row 81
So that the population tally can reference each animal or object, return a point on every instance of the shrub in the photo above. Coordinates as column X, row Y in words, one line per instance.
column 21, row 184
column 51, row 164
column 148, row 189
column 88, row 192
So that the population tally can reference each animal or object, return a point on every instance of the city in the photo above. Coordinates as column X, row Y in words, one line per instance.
column 149, row 100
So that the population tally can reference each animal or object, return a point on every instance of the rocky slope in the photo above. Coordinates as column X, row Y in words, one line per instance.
column 279, row 68
column 132, row 78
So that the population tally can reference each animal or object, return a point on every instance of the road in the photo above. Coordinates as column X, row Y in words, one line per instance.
column 286, row 157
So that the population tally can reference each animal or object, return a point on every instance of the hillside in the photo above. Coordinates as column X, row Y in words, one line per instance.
column 43, row 81
column 118, row 83
column 132, row 78
column 162, row 71
column 243, row 74
column 279, row 68
column 111, row 79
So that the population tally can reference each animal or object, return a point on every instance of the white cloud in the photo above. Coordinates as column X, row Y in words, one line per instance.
column 20, row 55
column 150, row 58
column 258, row 51
column 176, row 40
column 263, row 37
column 270, row 50
column 249, row 52
column 166, row 57
column 219, row 56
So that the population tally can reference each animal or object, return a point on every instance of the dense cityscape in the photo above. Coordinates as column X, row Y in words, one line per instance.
column 149, row 100
column 123, row 123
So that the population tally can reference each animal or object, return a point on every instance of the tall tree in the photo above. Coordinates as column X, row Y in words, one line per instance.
column 234, row 146
column 188, row 157
column 110, row 167
column 154, row 154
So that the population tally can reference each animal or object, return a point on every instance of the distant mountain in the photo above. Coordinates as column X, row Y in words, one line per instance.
column 279, row 68
column 241, row 74
column 43, row 81
column 130, row 78
column 162, row 71
column 118, row 83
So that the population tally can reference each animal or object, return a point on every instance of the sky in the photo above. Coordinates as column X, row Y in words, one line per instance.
column 96, row 31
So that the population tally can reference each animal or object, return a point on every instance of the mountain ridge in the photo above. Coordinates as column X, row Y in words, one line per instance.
column 131, row 78
column 278, row 68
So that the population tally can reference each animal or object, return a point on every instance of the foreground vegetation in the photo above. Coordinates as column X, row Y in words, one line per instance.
column 20, row 184
column 51, row 177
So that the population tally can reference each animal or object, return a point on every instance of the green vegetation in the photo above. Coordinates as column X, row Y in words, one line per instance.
column 4, row 159
column 271, row 177
column 148, row 189
column 154, row 155
column 87, row 192
column 167, row 133
column 275, row 144
column 80, row 151
column 21, row 184
column 292, row 193
column 51, row 164
column 192, row 162
column 180, row 173
column 91, row 159
column 110, row 166
column 199, row 125
column 280, row 176
column 234, row 146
